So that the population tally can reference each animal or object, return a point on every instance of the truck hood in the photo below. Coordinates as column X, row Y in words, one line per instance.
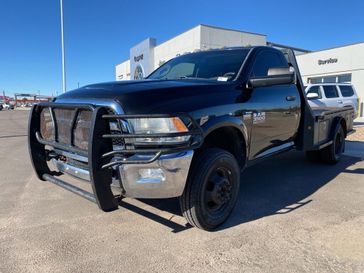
column 156, row 96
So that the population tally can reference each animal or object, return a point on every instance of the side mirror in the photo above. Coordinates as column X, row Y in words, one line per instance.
column 276, row 76
column 312, row 96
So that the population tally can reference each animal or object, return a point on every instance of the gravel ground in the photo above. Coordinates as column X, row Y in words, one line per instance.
column 358, row 135
column 292, row 216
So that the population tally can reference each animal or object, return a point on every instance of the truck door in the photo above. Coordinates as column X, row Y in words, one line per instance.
column 275, row 109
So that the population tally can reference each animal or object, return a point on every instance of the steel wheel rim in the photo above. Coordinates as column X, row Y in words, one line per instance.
column 218, row 190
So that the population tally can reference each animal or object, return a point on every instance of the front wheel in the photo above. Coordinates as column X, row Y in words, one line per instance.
column 212, row 189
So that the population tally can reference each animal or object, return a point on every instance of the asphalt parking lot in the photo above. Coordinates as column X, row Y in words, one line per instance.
column 292, row 216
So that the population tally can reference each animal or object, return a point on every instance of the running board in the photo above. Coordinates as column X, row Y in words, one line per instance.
column 85, row 194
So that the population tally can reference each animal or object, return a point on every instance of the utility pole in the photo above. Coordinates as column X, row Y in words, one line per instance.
column 4, row 98
column 63, row 51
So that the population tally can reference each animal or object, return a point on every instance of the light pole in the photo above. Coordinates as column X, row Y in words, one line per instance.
column 63, row 51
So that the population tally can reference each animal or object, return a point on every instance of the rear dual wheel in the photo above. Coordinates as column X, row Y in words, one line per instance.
column 332, row 153
column 212, row 189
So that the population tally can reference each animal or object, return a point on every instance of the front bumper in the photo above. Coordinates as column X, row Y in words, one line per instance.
column 170, row 181
column 148, row 172
column 137, row 181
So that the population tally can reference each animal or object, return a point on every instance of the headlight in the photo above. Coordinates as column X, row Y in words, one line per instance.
column 46, row 125
column 82, row 129
column 157, row 126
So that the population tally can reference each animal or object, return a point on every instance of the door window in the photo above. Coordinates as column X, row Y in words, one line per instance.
column 266, row 60
column 315, row 90
column 330, row 91
column 346, row 90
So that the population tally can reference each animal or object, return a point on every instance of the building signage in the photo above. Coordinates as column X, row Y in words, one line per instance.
column 327, row 61
column 138, row 58
column 138, row 73
column 141, row 59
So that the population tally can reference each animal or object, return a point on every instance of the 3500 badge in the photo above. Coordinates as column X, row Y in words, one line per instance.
column 258, row 117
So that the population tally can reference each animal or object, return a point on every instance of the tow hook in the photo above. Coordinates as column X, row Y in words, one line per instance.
column 51, row 155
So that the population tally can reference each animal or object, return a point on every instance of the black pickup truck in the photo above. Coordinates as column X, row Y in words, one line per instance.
column 187, row 130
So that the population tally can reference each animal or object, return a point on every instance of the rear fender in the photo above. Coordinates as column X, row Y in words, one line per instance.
column 336, row 124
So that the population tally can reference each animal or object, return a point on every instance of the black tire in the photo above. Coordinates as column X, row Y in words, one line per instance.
column 212, row 189
column 313, row 156
column 332, row 153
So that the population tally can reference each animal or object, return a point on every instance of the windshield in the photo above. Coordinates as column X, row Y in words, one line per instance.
column 220, row 65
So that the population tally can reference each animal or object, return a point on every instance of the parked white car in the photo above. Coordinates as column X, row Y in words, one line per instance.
column 332, row 95
column 8, row 106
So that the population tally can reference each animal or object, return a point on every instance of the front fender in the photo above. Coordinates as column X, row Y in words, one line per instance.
column 237, row 122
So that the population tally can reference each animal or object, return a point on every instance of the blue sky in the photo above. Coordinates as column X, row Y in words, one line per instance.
column 99, row 33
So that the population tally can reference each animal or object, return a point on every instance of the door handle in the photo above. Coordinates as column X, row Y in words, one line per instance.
column 291, row 98
column 340, row 101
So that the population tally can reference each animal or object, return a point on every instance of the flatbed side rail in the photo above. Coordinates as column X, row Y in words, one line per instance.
column 326, row 122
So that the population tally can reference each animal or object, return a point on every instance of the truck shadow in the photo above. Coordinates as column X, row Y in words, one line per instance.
column 283, row 185
column 354, row 148
column 278, row 186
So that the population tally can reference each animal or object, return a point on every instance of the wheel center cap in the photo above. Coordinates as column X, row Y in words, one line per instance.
column 222, row 191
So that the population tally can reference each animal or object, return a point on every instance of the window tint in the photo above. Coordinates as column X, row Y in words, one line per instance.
column 266, row 60
column 181, row 70
column 315, row 90
column 330, row 91
column 346, row 90
column 214, row 65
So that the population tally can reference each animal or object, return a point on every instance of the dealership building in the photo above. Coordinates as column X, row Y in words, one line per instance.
column 340, row 64
column 343, row 64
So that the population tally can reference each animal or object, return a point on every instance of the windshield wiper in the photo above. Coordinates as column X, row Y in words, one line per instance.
column 191, row 78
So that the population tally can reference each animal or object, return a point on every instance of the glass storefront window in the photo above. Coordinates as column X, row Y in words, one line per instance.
column 314, row 80
column 345, row 78
column 342, row 78
column 329, row 79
